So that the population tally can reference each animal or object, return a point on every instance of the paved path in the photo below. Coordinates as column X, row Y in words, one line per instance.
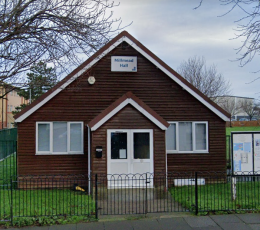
column 179, row 221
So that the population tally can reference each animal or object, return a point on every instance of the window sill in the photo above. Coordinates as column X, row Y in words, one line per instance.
column 50, row 154
column 187, row 152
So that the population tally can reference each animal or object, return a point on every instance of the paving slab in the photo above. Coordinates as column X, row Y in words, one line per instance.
column 173, row 223
column 255, row 226
column 63, row 227
column 250, row 218
column 35, row 228
column 151, row 224
column 125, row 225
column 209, row 228
column 236, row 226
column 200, row 221
column 230, row 218
column 90, row 226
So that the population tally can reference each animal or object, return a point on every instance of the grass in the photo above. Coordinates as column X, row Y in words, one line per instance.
column 241, row 129
column 45, row 202
column 218, row 197
column 40, row 206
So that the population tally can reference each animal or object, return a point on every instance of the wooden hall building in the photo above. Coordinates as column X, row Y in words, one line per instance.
column 122, row 111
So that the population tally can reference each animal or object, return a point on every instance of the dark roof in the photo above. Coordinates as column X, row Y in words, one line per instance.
column 77, row 72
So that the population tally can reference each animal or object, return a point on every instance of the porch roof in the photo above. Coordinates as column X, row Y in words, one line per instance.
column 128, row 98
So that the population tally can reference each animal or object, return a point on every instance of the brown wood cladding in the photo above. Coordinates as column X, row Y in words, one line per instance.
column 82, row 102
column 128, row 118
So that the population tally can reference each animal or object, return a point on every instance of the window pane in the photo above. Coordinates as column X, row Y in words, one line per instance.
column 118, row 145
column 59, row 136
column 141, row 146
column 43, row 137
column 185, row 137
column 76, row 137
column 171, row 137
column 200, row 131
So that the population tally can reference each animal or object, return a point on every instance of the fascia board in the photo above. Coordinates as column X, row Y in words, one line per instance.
column 121, row 106
column 198, row 97
column 72, row 79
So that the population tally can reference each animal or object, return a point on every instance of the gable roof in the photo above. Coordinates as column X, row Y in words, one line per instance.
column 119, row 104
column 123, row 36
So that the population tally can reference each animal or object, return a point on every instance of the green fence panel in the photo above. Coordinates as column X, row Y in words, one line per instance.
column 8, row 162
column 8, row 134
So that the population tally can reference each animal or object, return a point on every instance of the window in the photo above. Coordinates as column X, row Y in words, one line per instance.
column 187, row 137
column 59, row 138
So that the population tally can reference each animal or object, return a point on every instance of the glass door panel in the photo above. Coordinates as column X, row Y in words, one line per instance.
column 118, row 145
column 141, row 146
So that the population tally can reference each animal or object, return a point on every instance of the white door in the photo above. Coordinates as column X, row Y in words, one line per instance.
column 129, row 155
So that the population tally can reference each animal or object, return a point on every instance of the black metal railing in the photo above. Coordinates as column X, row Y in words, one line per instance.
column 80, row 195
column 177, row 192
column 37, row 196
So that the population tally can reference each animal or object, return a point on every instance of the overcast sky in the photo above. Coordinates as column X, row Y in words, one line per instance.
column 174, row 31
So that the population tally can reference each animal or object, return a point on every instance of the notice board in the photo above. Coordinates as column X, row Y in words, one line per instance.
column 245, row 152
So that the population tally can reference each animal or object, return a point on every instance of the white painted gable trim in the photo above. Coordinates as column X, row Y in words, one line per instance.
column 121, row 106
column 72, row 79
column 130, row 42
column 212, row 108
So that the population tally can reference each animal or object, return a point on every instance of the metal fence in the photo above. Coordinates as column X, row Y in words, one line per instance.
column 36, row 196
column 177, row 192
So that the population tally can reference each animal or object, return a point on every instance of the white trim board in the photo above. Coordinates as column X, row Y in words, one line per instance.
column 121, row 106
column 156, row 63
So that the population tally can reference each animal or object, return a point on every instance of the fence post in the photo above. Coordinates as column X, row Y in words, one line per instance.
column 196, row 194
column 96, row 196
column 234, row 188
column 11, row 203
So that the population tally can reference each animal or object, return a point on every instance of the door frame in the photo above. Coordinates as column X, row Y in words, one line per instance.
column 130, row 145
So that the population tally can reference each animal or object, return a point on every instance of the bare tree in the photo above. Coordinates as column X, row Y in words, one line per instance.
column 206, row 79
column 229, row 104
column 52, row 31
column 248, row 27
column 251, row 108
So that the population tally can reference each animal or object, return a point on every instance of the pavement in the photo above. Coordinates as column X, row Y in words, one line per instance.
column 164, row 221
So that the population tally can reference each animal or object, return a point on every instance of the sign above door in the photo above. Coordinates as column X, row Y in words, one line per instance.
column 123, row 64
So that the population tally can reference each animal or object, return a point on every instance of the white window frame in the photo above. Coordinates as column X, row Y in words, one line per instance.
column 68, row 139
column 193, row 137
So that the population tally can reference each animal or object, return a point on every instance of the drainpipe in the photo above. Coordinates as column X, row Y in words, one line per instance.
column 89, row 153
column 166, row 163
